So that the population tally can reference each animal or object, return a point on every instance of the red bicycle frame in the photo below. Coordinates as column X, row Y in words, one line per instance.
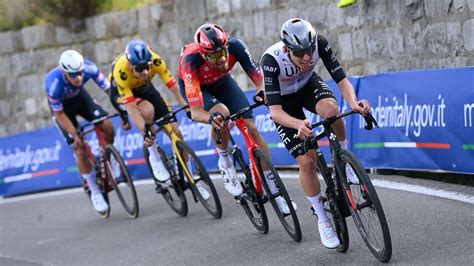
column 251, row 146
column 102, row 143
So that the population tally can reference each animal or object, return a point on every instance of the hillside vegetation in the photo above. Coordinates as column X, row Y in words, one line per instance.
column 21, row 13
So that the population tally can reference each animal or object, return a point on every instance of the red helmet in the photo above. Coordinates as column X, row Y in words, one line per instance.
column 210, row 38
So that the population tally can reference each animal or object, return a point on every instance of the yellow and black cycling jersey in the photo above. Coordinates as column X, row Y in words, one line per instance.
column 127, row 83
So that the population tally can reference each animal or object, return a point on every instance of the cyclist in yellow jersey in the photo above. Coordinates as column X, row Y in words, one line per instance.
column 132, row 89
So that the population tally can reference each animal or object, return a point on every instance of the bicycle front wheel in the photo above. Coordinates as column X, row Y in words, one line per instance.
column 365, row 206
column 289, row 221
column 120, row 178
column 199, row 180
column 173, row 192
column 332, row 205
column 251, row 201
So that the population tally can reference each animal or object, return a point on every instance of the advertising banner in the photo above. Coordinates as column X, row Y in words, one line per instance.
column 425, row 117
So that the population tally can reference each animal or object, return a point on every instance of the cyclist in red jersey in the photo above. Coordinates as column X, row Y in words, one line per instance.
column 212, row 93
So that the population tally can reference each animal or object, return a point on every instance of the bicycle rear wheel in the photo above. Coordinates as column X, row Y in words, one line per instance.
column 289, row 221
column 199, row 179
column 173, row 192
column 121, row 181
column 365, row 207
column 251, row 202
column 334, row 195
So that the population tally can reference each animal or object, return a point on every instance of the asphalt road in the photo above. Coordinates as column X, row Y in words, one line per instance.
column 64, row 230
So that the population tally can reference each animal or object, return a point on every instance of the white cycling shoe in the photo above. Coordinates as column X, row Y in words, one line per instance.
column 204, row 193
column 351, row 176
column 328, row 235
column 231, row 181
column 99, row 202
column 283, row 206
column 159, row 170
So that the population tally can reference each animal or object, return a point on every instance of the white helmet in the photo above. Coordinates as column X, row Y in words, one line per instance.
column 71, row 61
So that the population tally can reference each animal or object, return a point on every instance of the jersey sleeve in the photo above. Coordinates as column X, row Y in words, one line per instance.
column 242, row 54
column 99, row 78
column 53, row 91
column 271, row 71
column 192, row 86
column 159, row 66
column 329, row 59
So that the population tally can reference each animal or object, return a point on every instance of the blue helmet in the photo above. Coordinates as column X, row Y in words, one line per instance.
column 137, row 52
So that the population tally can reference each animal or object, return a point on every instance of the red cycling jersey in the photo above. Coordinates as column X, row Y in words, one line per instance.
column 195, row 71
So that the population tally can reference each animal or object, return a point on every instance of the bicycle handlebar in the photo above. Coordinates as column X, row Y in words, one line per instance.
column 237, row 115
column 369, row 120
column 95, row 122
column 163, row 120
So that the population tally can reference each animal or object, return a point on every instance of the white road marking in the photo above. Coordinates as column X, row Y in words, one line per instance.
column 378, row 183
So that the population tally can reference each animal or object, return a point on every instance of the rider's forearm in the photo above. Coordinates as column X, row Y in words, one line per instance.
column 65, row 123
column 283, row 118
column 177, row 95
column 347, row 91
column 199, row 114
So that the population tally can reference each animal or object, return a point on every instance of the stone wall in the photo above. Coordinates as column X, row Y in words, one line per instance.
column 370, row 37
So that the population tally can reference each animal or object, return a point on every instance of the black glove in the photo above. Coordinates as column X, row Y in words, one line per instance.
column 211, row 118
column 260, row 94
column 189, row 115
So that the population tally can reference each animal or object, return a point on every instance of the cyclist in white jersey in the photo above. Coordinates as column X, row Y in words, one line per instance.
column 291, row 85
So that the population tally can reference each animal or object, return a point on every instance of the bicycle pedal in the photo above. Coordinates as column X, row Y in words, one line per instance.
column 238, row 200
column 264, row 199
column 160, row 189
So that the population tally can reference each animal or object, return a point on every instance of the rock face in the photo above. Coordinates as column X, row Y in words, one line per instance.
column 368, row 37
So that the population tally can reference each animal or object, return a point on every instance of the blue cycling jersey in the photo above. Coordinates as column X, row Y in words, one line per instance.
column 58, row 88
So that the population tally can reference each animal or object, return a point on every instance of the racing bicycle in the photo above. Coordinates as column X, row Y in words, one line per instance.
column 253, row 198
column 185, row 168
column 356, row 198
column 111, row 171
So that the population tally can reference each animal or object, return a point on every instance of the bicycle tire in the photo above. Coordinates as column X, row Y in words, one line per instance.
column 251, row 202
column 214, row 209
column 333, row 194
column 173, row 195
column 370, row 202
column 129, row 203
column 293, row 229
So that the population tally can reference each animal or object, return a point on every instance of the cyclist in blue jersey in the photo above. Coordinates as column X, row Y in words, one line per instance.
column 67, row 98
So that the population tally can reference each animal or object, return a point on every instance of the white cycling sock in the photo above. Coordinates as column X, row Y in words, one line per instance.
column 153, row 150
column 224, row 158
column 271, row 181
column 90, row 178
column 318, row 206
column 343, row 143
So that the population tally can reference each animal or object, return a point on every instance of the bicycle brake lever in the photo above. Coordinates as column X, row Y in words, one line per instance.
column 219, row 136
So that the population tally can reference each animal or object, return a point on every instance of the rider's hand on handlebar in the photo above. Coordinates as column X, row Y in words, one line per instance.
column 77, row 141
column 260, row 97
column 304, row 129
column 148, row 141
column 216, row 120
column 362, row 107
column 125, row 124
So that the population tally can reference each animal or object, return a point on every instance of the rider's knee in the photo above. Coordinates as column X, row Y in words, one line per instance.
column 330, row 109
column 306, row 163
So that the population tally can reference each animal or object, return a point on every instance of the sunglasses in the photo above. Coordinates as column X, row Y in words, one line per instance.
column 141, row 68
column 301, row 53
column 216, row 55
column 75, row 74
